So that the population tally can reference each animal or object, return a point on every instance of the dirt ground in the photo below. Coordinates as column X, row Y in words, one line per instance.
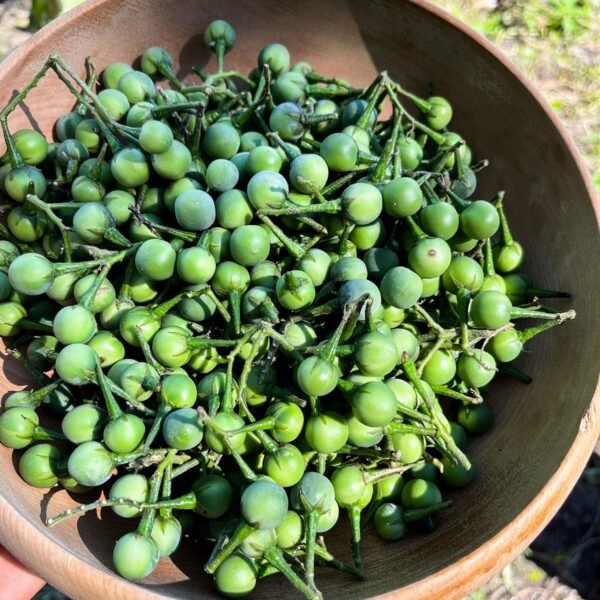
column 564, row 562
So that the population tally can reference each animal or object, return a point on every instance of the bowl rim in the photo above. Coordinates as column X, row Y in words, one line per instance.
column 48, row 558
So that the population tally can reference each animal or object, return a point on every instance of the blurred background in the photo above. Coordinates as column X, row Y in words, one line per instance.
column 556, row 43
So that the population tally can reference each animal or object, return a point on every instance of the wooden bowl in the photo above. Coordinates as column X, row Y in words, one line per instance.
column 545, row 432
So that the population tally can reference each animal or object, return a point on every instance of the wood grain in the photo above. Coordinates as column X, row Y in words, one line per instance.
column 545, row 432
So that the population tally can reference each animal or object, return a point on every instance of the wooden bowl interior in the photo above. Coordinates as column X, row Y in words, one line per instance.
column 547, row 202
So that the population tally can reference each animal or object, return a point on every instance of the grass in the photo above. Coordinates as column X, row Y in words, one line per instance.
column 557, row 45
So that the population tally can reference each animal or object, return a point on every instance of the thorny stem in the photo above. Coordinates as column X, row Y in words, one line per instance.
column 89, row 297
column 276, row 558
column 312, row 518
column 330, row 561
column 112, row 407
column 295, row 249
column 456, row 453
column 512, row 371
column 64, row 231
column 147, row 520
column 225, row 438
column 185, row 467
column 442, row 390
column 147, row 351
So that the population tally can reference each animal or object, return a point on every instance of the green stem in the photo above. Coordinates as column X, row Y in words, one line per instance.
column 97, row 110
column 354, row 512
column 420, row 103
column 439, row 161
column 113, row 408
column 97, row 170
column 57, row 63
column 40, row 377
column 415, row 514
column 341, row 182
column 433, row 324
column 194, row 142
column 312, row 518
column 349, row 310
column 518, row 312
column 83, row 508
column 413, row 414
column 29, row 325
column 36, row 397
column 199, row 343
column 43, row 434
column 442, row 390
column 389, row 150
column 113, row 258
column 13, row 156
column 254, row 350
column 242, row 531
column 166, row 489
column 234, row 303
column 330, row 207
column 429, row 192
column 219, row 51
column 321, row 459
column 161, row 412
column 159, row 311
column 220, row 306
column 432, row 350
column 434, row 135
column 225, row 438
column 330, row 91
column 64, row 231
column 526, row 334
column 276, row 558
column 185, row 467
column 290, row 152
column 394, row 427
column 416, row 232
column 135, row 404
column 459, row 203
column 89, row 297
column 488, row 258
column 186, row 502
column 535, row 292
column 147, row 520
column 147, row 351
column 512, row 371
column 375, row 92
column 223, row 537
column 462, row 305
column 263, row 425
column 295, row 249
column 411, row 372
column 282, row 394
column 267, row 309
column 186, row 236
column 330, row 561
column 507, row 237
column 327, row 308
column 282, row 341
column 343, row 243
column 160, row 112
column 381, row 474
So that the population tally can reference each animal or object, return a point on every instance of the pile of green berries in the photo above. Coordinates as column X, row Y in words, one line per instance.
column 261, row 291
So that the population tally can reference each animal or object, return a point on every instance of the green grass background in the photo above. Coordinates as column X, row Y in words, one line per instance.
column 556, row 43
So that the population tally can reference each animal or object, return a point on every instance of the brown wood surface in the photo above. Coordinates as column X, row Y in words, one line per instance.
column 545, row 431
